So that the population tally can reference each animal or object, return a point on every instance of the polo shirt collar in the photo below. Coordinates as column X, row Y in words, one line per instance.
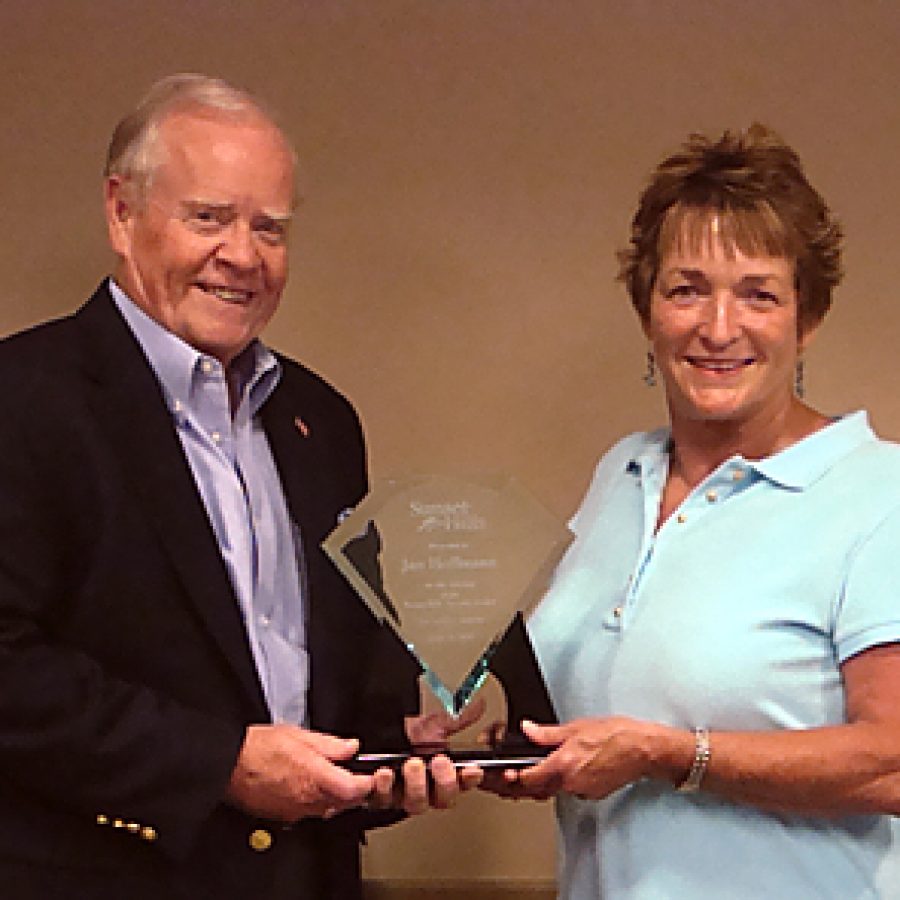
column 795, row 468
column 798, row 466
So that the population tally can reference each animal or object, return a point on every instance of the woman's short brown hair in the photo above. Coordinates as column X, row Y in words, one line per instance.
column 752, row 185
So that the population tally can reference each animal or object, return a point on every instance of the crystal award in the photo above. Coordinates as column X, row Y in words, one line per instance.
column 453, row 566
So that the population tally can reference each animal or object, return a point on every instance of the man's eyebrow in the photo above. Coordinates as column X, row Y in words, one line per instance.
column 208, row 204
column 218, row 206
column 280, row 218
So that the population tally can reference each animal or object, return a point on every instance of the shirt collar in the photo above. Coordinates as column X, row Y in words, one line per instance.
column 653, row 458
column 795, row 468
column 805, row 462
column 176, row 363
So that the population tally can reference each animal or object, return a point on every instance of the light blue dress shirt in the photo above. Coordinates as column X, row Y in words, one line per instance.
column 735, row 615
column 236, row 476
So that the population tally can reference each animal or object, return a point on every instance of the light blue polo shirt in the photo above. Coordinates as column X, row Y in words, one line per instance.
column 735, row 615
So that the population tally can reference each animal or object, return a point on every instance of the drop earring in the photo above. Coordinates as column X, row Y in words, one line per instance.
column 650, row 374
column 799, row 387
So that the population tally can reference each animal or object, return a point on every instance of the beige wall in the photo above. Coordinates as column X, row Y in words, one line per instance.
column 470, row 166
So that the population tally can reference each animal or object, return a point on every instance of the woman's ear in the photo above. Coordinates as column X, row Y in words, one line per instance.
column 806, row 332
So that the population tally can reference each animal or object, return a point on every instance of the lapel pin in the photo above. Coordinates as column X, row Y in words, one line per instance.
column 302, row 427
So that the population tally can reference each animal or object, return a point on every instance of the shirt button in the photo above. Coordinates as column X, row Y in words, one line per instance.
column 216, row 436
column 179, row 406
column 207, row 366
column 265, row 620
column 712, row 496
column 738, row 475
column 617, row 612
column 681, row 518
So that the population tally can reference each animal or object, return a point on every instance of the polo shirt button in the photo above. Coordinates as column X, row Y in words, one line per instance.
column 712, row 496
column 260, row 840
column 681, row 518
column 738, row 475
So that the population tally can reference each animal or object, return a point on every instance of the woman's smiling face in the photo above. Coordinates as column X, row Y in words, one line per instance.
column 724, row 330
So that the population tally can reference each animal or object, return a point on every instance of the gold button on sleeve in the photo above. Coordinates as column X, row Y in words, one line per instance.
column 118, row 823
column 102, row 819
column 260, row 840
column 133, row 827
column 148, row 833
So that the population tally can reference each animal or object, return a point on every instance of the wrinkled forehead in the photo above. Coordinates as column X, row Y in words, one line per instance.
column 230, row 149
column 751, row 230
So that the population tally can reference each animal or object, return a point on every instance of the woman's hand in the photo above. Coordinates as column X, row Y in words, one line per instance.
column 594, row 757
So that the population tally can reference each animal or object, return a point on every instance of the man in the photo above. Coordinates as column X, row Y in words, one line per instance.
column 177, row 656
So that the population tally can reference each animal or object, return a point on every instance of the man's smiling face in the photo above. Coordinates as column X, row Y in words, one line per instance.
column 204, row 250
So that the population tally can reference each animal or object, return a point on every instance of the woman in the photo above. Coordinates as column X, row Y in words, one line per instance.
column 721, row 641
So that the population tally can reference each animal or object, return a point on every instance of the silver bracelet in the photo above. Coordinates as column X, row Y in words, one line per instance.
column 691, row 784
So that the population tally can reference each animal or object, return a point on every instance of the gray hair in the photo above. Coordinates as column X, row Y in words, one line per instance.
column 133, row 150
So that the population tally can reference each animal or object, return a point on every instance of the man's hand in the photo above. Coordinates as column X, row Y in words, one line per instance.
column 436, row 784
column 287, row 773
column 423, row 786
column 432, row 729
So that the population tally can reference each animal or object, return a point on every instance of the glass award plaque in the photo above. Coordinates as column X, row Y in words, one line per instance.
column 452, row 566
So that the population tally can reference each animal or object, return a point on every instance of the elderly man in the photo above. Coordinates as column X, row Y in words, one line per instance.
column 170, row 632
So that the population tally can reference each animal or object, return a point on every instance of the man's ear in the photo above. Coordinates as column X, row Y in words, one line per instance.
column 119, row 201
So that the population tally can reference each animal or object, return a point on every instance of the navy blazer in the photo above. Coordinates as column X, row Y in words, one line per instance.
column 126, row 678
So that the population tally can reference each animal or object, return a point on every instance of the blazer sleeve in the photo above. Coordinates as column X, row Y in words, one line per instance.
column 76, row 736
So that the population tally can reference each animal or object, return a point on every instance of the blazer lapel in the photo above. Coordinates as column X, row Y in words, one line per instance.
column 303, row 456
column 293, row 447
column 133, row 413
